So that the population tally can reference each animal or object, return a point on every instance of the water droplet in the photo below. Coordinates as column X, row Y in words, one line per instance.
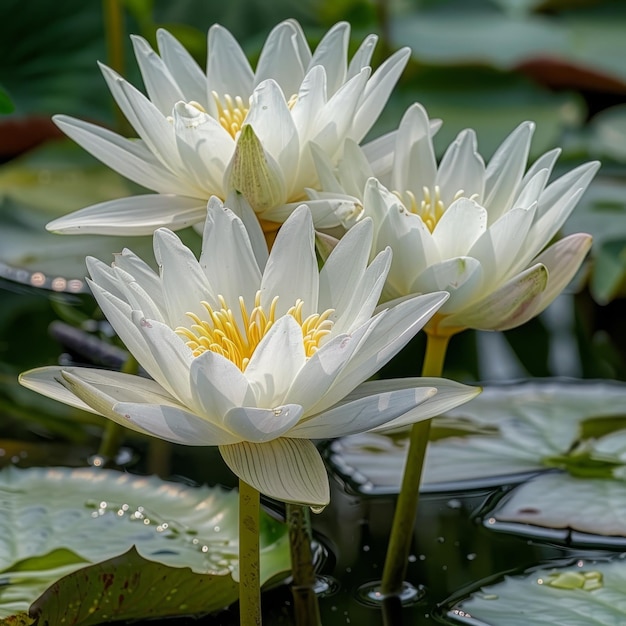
column 471, row 556
column 441, row 539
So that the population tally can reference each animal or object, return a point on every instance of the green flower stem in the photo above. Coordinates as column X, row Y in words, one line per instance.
column 396, row 561
column 306, row 606
column 114, row 433
column 249, row 576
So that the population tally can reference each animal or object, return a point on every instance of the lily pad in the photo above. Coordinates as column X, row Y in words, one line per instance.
column 129, row 587
column 73, row 518
column 577, row 509
column 591, row 39
column 46, row 183
column 584, row 593
column 522, row 429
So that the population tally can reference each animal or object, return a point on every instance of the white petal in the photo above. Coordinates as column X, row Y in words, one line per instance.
column 364, row 414
column 189, row 77
column 562, row 260
column 276, row 361
column 154, row 128
column 218, row 385
column 161, row 86
column 227, row 258
column 459, row 227
column 48, row 382
column 119, row 315
column 132, row 159
column 242, row 209
column 185, row 285
column 331, row 54
column 141, row 272
column 505, row 170
column 450, row 394
column 137, row 215
column 280, row 58
column 353, row 170
column 461, row 277
column 321, row 370
column 502, row 308
column 175, row 425
column 291, row 271
column 365, row 295
column 362, row 56
column 310, row 101
column 377, row 92
column 290, row 470
column 544, row 162
column 338, row 114
column 389, row 332
column 228, row 70
column 258, row 425
column 414, row 165
column 380, row 155
column 171, row 354
column 344, row 268
column 205, row 147
column 500, row 246
column 461, row 168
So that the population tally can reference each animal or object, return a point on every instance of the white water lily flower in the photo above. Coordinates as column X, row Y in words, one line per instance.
column 477, row 231
column 191, row 145
column 254, row 356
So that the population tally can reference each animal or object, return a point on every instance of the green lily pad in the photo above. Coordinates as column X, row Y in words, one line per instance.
column 584, row 593
column 41, row 185
column 590, row 39
column 579, row 510
column 523, row 429
column 129, row 587
column 73, row 518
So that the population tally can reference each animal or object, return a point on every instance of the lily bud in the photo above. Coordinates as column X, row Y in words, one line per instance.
column 254, row 173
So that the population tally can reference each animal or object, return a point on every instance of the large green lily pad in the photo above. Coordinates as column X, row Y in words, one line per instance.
column 500, row 437
column 69, row 519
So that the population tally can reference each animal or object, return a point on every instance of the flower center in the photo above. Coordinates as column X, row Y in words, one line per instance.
column 431, row 208
column 223, row 334
column 231, row 113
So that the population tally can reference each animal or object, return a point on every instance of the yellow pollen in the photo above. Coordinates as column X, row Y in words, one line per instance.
column 231, row 113
column 292, row 101
column 237, row 342
column 431, row 208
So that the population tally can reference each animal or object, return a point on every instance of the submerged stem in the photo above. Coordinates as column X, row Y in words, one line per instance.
column 306, row 606
column 405, row 514
column 249, row 569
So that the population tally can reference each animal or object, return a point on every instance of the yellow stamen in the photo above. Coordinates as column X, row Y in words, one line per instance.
column 431, row 208
column 231, row 113
column 237, row 342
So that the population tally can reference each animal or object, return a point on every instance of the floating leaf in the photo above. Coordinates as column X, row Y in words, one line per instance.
column 129, row 587
column 69, row 518
column 581, row 594
column 580, row 511
column 525, row 426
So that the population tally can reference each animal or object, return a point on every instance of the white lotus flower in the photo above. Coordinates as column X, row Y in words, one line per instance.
column 256, row 355
column 479, row 232
column 189, row 127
